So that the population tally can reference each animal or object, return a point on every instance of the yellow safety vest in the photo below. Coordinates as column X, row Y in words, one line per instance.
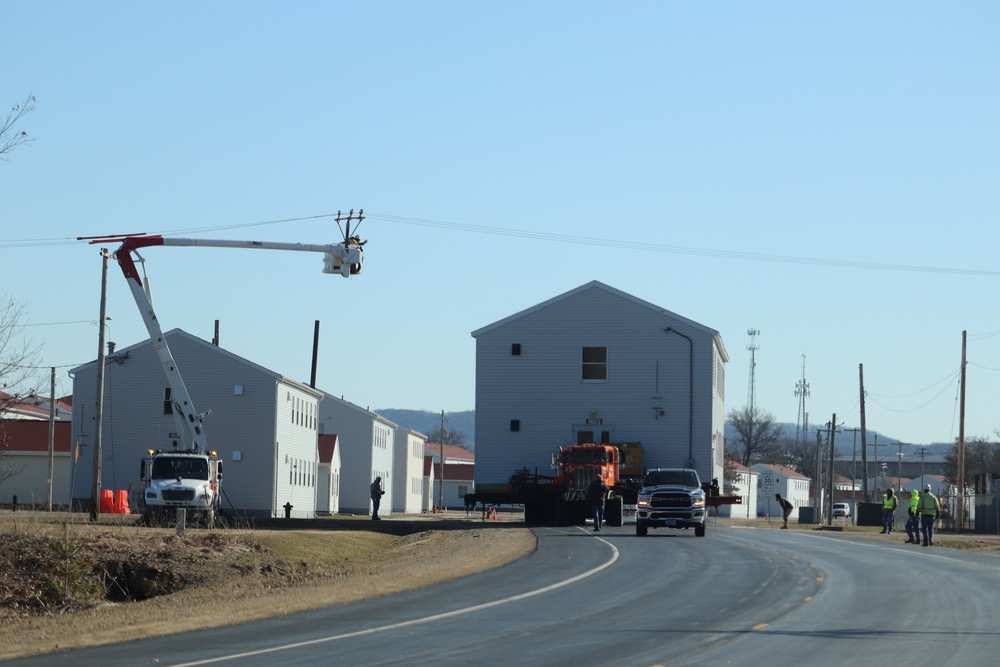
column 928, row 503
column 889, row 503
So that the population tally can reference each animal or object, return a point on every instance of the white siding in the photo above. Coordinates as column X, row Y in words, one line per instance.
column 408, row 471
column 649, row 370
column 243, row 424
column 366, row 445
column 296, row 453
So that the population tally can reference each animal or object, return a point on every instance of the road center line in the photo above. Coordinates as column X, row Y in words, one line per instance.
column 419, row 621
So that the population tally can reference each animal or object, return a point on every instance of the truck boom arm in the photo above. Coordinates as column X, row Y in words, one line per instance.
column 344, row 258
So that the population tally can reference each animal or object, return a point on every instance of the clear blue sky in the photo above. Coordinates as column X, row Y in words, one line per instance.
column 826, row 173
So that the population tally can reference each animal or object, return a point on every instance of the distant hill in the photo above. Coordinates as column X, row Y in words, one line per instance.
column 845, row 441
column 424, row 421
column 427, row 422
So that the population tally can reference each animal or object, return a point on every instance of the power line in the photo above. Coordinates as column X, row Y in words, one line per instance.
column 946, row 378
column 564, row 238
column 919, row 407
column 652, row 247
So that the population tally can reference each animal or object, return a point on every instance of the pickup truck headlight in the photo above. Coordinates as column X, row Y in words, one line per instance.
column 698, row 500
column 643, row 501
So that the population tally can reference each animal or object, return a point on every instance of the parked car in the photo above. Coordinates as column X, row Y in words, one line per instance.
column 841, row 510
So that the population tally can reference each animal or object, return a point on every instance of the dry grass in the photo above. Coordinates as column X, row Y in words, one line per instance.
column 212, row 578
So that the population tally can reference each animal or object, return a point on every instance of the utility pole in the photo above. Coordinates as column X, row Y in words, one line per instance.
column 52, row 438
column 899, row 469
column 819, row 476
column 864, row 437
column 752, row 388
column 961, row 448
column 95, row 489
column 877, row 469
column 441, row 467
column 829, row 482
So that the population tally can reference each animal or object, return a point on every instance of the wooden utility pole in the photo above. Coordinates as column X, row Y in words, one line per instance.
column 961, row 448
column 864, row 436
column 95, row 489
column 52, row 438
column 829, row 474
column 441, row 467
column 819, row 477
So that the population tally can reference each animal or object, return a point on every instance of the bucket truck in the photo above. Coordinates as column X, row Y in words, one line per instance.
column 191, row 478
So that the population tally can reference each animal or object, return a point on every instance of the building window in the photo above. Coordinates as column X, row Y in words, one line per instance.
column 595, row 364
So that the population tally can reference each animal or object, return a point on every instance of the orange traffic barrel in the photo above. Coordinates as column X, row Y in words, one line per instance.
column 107, row 501
column 121, row 502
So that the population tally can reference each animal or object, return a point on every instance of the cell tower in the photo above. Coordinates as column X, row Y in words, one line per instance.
column 802, row 390
column 752, row 387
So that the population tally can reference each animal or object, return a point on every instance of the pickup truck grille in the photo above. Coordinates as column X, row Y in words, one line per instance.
column 178, row 495
column 670, row 500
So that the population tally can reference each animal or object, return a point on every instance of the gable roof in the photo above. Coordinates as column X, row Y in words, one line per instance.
column 326, row 444
column 374, row 416
column 595, row 284
column 450, row 452
column 787, row 472
column 32, row 408
column 180, row 333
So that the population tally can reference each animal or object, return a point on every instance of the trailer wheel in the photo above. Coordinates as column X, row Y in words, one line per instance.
column 613, row 512
column 641, row 529
column 699, row 530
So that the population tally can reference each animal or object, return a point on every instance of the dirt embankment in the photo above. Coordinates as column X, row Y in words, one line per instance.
column 153, row 582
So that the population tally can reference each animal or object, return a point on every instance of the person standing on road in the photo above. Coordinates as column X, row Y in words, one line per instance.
column 376, row 494
column 913, row 519
column 786, row 508
column 888, row 512
column 929, row 507
column 596, row 493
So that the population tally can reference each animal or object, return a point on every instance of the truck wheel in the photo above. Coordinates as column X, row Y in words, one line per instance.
column 613, row 512
column 640, row 530
column 699, row 530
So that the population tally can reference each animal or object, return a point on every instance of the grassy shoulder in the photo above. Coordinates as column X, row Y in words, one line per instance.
column 942, row 539
column 67, row 584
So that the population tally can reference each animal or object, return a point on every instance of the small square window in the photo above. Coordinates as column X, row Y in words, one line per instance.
column 595, row 364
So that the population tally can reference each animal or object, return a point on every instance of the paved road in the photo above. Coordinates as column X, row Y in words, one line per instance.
column 736, row 597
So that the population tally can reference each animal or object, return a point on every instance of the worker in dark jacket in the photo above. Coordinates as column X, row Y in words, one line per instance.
column 786, row 509
column 376, row 494
column 596, row 493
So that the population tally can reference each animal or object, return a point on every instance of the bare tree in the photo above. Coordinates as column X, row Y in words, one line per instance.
column 759, row 435
column 19, row 376
column 11, row 138
column 982, row 461
column 446, row 436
